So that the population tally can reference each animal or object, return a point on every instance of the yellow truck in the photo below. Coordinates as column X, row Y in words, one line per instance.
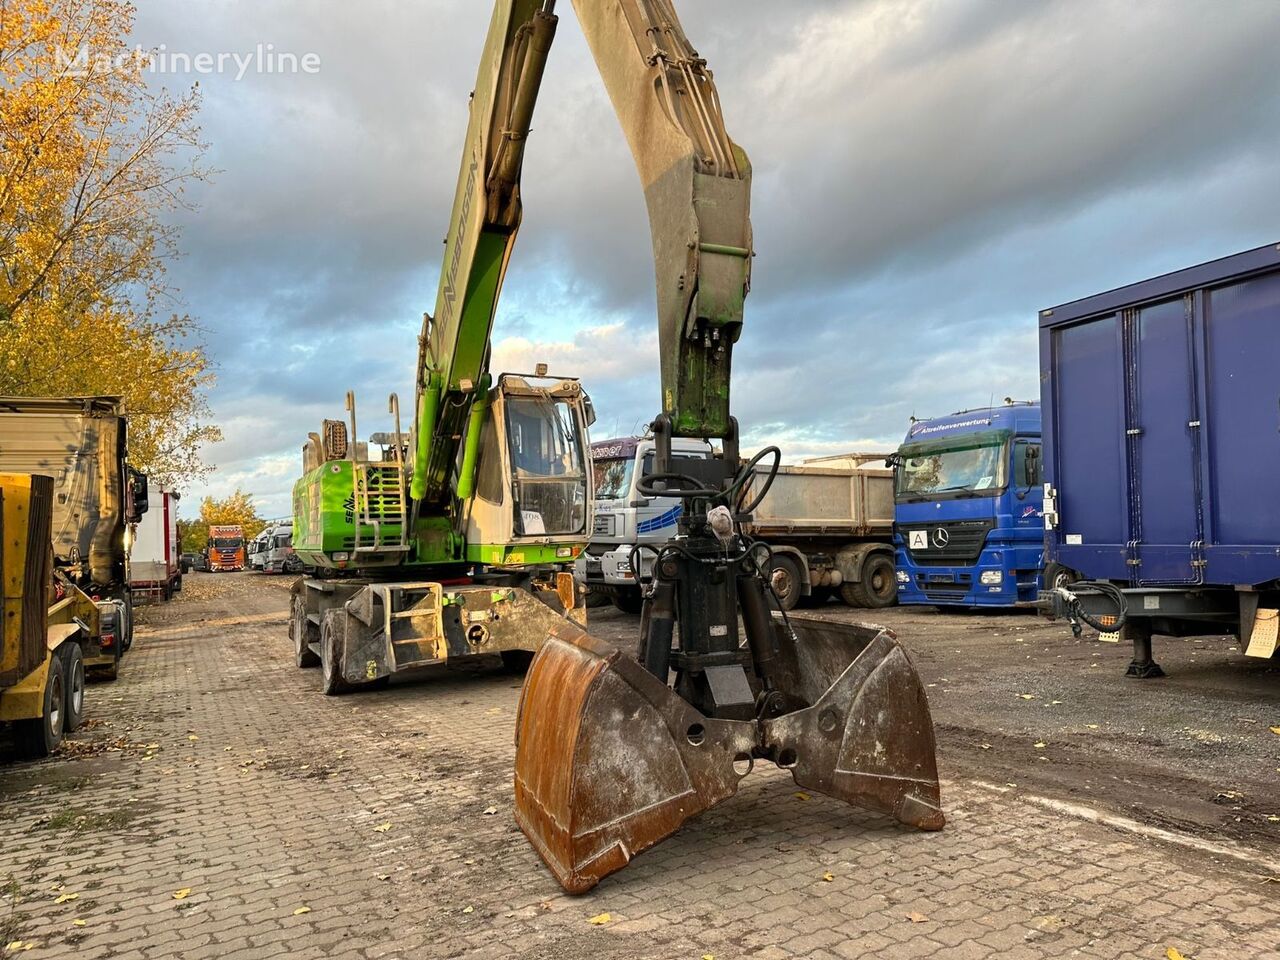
column 46, row 624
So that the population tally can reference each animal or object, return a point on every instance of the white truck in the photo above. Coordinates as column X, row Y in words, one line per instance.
column 829, row 523
column 155, row 569
column 276, row 555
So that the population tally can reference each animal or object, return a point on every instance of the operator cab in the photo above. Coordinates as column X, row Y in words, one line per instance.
column 532, row 499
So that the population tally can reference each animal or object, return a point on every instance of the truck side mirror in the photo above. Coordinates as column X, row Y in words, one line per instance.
column 138, row 500
column 588, row 409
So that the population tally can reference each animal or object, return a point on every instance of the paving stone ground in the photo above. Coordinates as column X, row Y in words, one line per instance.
column 219, row 806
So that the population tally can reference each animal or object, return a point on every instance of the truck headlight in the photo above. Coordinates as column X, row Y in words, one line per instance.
column 342, row 555
column 992, row 578
column 564, row 553
column 902, row 576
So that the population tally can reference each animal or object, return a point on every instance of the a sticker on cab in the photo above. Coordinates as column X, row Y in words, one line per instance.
column 919, row 539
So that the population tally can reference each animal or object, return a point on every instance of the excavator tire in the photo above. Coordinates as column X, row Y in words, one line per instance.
column 302, row 631
column 332, row 642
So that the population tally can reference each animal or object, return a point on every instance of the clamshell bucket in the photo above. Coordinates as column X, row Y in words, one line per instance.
column 610, row 760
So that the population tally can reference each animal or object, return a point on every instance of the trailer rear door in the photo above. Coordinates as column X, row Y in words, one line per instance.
column 1163, row 426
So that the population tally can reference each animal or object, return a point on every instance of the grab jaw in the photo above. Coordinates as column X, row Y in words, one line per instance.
column 610, row 760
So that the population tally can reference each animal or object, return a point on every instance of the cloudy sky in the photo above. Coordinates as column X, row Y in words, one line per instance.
column 929, row 174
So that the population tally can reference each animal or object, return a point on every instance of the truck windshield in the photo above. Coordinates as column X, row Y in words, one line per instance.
column 959, row 467
column 226, row 543
column 546, row 460
column 612, row 478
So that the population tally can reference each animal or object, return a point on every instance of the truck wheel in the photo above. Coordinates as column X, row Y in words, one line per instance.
column 877, row 588
column 786, row 580
column 629, row 600
column 1056, row 575
column 331, row 653
column 40, row 736
column 73, row 680
column 303, row 633
column 124, row 627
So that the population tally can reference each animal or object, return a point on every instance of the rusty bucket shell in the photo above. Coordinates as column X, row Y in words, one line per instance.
column 610, row 761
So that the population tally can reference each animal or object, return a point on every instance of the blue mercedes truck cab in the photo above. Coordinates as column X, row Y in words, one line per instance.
column 969, row 508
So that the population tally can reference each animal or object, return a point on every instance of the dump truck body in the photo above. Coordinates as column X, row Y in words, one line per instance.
column 1161, row 449
column 830, row 524
column 81, row 443
column 46, row 622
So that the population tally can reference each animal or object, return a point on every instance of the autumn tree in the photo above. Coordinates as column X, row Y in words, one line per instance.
column 92, row 161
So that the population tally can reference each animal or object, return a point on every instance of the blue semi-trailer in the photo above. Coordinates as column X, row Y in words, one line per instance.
column 968, row 506
column 1161, row 405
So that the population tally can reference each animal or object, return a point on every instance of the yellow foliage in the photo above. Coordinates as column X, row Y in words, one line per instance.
column 87, row 173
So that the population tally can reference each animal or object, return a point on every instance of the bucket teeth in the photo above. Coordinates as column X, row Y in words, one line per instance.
column 610, row 761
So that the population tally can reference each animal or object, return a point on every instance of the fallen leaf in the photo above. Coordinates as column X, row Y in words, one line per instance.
column 490, row 811
column 468, row 909
column 383, row 876
column 1026, row 696
column 192, row 737
column 1054, row 703
column 600, row 919
column 79, row 923
column 1092, row 726
column 1040, row 744
column 382, row 827
column 13, row 946
column 301, row 910
column 1173, row 954
column 1273, row 819
column 182, row 894
column 707, row 956
column 802, row 796
column 984, row 746
column 66, row 897
column 1276, row 731
column 828, row 876
column 917, row 918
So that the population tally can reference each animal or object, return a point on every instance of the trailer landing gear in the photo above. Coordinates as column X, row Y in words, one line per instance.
column 1142, row 667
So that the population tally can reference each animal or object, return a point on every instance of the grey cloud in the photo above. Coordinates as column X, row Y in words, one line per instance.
column 928, row 175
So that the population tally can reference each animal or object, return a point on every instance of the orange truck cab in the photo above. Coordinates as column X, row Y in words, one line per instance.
column 226, row 548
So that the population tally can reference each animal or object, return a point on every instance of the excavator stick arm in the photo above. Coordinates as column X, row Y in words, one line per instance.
column 697, row 186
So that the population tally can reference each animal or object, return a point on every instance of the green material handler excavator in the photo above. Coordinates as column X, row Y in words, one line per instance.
column 616, row 748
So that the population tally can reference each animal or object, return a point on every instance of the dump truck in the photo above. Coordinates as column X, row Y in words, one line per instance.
column 155, row 568
column 614, row 749
column 829, row 523
column 48, row 623
column 1161, row 453
column 82, row 442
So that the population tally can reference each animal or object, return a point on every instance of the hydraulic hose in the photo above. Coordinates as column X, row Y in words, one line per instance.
column 1075, row 611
